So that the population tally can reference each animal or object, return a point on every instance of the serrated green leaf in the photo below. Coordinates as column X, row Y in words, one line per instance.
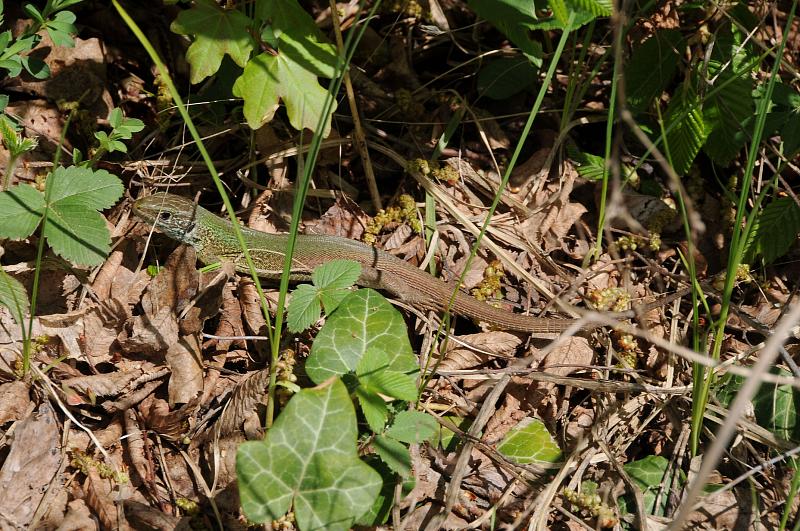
column 77, row 233
column 377, row 373
column 95, row 190
column 334, row 280
column 308, row 461
column 268, row 79
column 651, row 68
column 412, row 427
column 14, row 297
column 530, row 442
column 599, row 8
column 686, row 130
column 777, row 408
column 364, row 321
column 337, row 274
column 21, row 210
column 304, row 308
column 395, row 454
column 374, row 408
column 217, row 31
column 774, row 231
column 728, row 112
column 391, row 383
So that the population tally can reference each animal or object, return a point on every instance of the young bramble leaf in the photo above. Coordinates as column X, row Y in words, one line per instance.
column 21, row 210
column 394, row 454
column 13, row 296
column 74, row 229
column 412, row 427
column 332, row 283
column 304, row 308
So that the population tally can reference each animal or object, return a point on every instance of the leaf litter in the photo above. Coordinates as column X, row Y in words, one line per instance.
column 130, row 365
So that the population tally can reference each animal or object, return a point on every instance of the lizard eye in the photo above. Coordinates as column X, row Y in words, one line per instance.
column 164, row 216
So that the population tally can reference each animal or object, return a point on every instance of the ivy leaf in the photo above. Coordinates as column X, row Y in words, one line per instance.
column 13, row 296
column 364, row 321
column 530, row 442
column 217, row 31
column 777, row 408
column 297, row 36
column 308, row 461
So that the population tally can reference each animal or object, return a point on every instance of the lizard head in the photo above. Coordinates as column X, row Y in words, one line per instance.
column 173, row 215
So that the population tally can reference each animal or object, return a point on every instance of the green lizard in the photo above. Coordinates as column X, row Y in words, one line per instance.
column 214, row 240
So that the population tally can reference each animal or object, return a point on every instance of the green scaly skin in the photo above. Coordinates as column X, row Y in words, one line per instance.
column 214, row 240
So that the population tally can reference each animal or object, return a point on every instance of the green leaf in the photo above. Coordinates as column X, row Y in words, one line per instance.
column 504, row 77
column 374, row 409
column 378, row 373
column 530, row 442
column 728, row 112
column 446, row 439
column 304, row 308
column 298, row 36
column 648, row 474
column 334, row 280
column 774, row 231
column 412, row 427
column 61, row 28
column 309, row 462
column 363, row 321
column 394, row 454
column 74, row 229
column 217, row 32
column 686, row 130
column 77, row 233
column 14, row 297
column 391, row 383
column 598, row 8
column 651, row 68
column 95, row 190
column 777, row 408
column 21, row 210
column 267, row 79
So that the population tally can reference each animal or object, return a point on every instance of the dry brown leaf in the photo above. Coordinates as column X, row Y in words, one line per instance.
column 186, row 363
column 14, row 401
column 99, row 385
column 78, row 518
column 341, row 219
column 31, row 465
column 498, row 343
